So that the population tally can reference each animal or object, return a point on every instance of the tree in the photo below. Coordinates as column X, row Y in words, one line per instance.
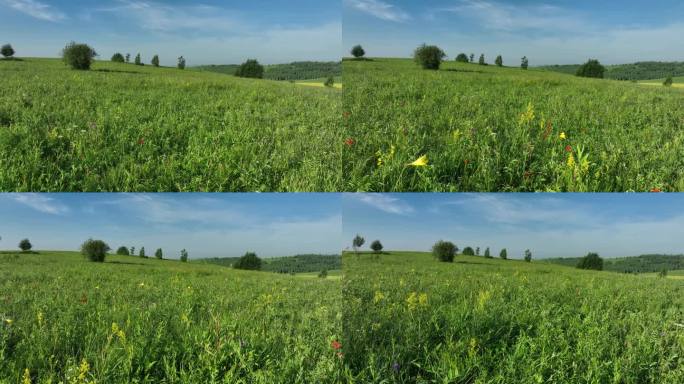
column 444, row 251
column 94, row 250
column 184, row 256
column 123, row 251
column 662, row 273
column 251, row 69
column 323, row 274
column 429, row 56
column 472, row 57
column 499, row 61
column 482, row 60
column 462, row 58
column 358, row 243
column 528, row 255
column 25, row 245
column 668, row 82
column 138, row 60
column 118, row 58
column 155, row 61
column 132, row 251
column 181, row 62
column 7, row 51
column 591, row 68
column 78, row 56
column 524, row 63
column 468, row 251
column 487, row 254
column 376, row 246
column 142, row 252
column 503, row 254
column 358, row 52
column 329, row 82
column 250, row 261
column 477, row 251
column 158, row 253
column 591, row 261
column 128, row 57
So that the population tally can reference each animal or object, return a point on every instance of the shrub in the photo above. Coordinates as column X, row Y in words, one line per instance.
column 78, row 56
column 123, row 251
column 487, row 254
column 591, row 68
column 132, row 251
column 462, row 58
column 528, row 255
column 376, row 246
column 138, row 60
column 591, row 261
column 468, row 251
column 155, row 61
column 499, row 61
column 251, row 69
column 444, row 251
column 158, row 253
column 181, row 62
column 662, row 273
column 524, row 63
column 250, row 261
column 472, row 57
column 184, row 256
column 128, row 57
column 95, row 250
column 668, row 82
column 25, row 245
column 142, row 252
column 329, row 82
column 482, row 60
column 7, row 51
column 503, row 254
column 323, row 274
column 358, row 243
column 429, row 56
column 358, row 51
column 118, row 58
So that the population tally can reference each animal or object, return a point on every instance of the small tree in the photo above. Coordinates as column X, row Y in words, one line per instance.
column 524, row 63
column 487, row 254
column 662, row 273
column 329, row 82
column 358, row 243
column 142, row 252
column 155, row 61
column 184, row 256
column 181, row 62
column 376, row 246
column 503, row 254
column 323, row 274
column 477, row 251
column 499, row 61
column 462, row 58
column 122, row 251
column 251, row 69
column 668, row 82
column 78, row 56
column 128, row 57
column 94, row 250
column 25, row 245
column 7, row 51
column 132, row 251
column 138, row 60
column 118, row 58
column 429, row 56
column 358, row 52
column 444, row 251
column 482, row 60
column 468, row 251
column 591, row 261
column 250, row 261
column 158, row 253
column 472, row 57
column 528, row 255
column 591, row 68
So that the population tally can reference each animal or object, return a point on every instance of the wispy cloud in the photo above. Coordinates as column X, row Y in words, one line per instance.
column 386, row 203
column 35, row 9
column 379, row 9
column 41, row 203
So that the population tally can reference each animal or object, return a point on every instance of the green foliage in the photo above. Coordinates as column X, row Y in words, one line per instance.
column 357, row 243
column 636, row 71
column 128, row 57
column 329, row 82
column 78, row 56
column 250, row 261
column 499, row 61
column 472, row 57
column 376, row 246
column 25, row 245
column 524, row 63
column 95, row 250
column 122, row 251
column 468, row 251
column 184, row 256
column 138, row 60
column 482, row 60
column 181, row 63
column 444, row 251
column 357, row 51
column 633, row 264
column 251, row 69
column 155, row 61
column 487, row 254
column 668, row 82
column 503, row 254
column 132, row 251
column 462, row 58
column 477, row 251
column 7, row 51
column 323, row 274
column 159, row 254
column 528, row 255
column 142, row 252
column 662, row 273
column 118, row 58
column 591, row 68
column 591, row 261
column 429, row 56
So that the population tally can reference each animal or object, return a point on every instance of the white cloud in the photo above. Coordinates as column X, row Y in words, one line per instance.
column 35, row 9
column 379, row 9
column 40, row 202
column 383, row 202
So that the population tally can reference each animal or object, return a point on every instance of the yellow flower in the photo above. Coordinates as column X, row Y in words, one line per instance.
column 412, row 301
column 83, row 370
column 141, row 285
column 27, row 377
column 378, row 297
column 472, row 347
column 562, row 136
column 422, row 299
column 39, row 316
column 483, row 299
column 571, row 160
column 527, row 116
column 420, row 162
column 9, row 321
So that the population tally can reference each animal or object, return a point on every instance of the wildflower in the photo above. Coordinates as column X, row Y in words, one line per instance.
column 83, row 370
column 346, row 114
column 349, row 142
column 141, row 141
column 483, row 299
column 141, row 285
column 528, row 115
column 422, row 299
column 340, row 355
column 336, row 345
column 395, row 367
column 562, row 136
column 571, row 160
column 84, row 299
column 420, row 162
column 92, row 125
column 39, row 317
column 568, row 148
column 656, row 190
column 9, row 321
column 27, row 377
column 378, row 297
column 472, row 347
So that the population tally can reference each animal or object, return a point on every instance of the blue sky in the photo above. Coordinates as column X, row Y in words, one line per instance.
column 550, row 225
column 547, row 31
column 204, row 31
column 207, row 225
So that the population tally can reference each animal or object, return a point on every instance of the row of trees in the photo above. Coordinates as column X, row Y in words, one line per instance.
column 119, row 58
column 446, row 251
column 159, row 254
column 359, row 241
column 81, row 56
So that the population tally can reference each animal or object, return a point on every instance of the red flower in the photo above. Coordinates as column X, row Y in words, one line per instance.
column 336, row 345
column 141, row 141
column 656, row 190
column 568, row 148
column 349, row 142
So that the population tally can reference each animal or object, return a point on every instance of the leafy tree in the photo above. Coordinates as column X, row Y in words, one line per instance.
column 358, row 52
column 376, row 246
column 487, row 254
column 155, row 61
column 25, row 245
column 250, row 261
column 499, row 61
column 95, row 250
column 142, row 252
column 524, row 63
column 668, row 82
column 138, row 60
column 118, row 58
column 251, row 69
column 591, row 261
column 323, row 274
column 468, row 251
column 123, row 251
column 158, row 254
column 444, row 251
column 181, row 62
column 528, row 255
column 472, row 57
column 7, row 51
column 78, row 56
column 477, row 251
column 358, row 243
column 132, row 251
column 503, row 254
column 462, row 58
column 591, row 68
column 429, row 56
column 662, row 273
column 329, row 82
column 128, row 57
column 482, row 60
column 184, row 256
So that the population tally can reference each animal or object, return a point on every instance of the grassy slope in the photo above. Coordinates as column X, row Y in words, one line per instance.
column 182, row 323
column 122, row 127
column 494, row 321
column 468, row 120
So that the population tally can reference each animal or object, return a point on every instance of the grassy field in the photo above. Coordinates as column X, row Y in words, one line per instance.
column 677, row 82
column 121, row 127
column 484, row 128
column 133, row 320
column 411, row 319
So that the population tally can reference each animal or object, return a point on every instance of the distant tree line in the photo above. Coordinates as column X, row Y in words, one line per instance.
column 303, row 70
column 634, row 264
column 286, row 264
column 637, row 71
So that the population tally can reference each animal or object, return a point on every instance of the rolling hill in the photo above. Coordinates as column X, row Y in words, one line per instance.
column 634, row 264
column 647, row 70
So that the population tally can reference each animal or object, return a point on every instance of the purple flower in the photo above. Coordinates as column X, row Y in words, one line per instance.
column 395, row 367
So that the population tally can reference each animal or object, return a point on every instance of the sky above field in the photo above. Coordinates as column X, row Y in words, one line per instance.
column 207, row 225
column 547, row 32
column 204, row 32
column 558, row 225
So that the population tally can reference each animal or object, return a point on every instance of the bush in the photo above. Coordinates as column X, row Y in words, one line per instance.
column 468, row 251
column 503, row 254
column 184, row 256
column 123, row 251
column 118, row 58
column 78, row 56
column 528, row 255
column 7, row 50
column 251, row 69
column 444, row 251
column 138, row 60
column 591, row 68
column 591, row 261
column 358, row 51
column 487, row 254
column 482, row 60
column 323, row 274
column 499, row 61
column 462, row 58
column 158, row 253
column 95, row 250
column 25, row 245
column 376, row 246
column 128, row 57
column 181, row 62
column 329, row 82
column 668, row 82
column 250, row 261
column 524, row 63
column 429, row 56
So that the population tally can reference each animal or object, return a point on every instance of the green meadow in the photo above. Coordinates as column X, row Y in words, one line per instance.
column 409, row 318
column 122, row 127
column 134, row 320
column 485, row 128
